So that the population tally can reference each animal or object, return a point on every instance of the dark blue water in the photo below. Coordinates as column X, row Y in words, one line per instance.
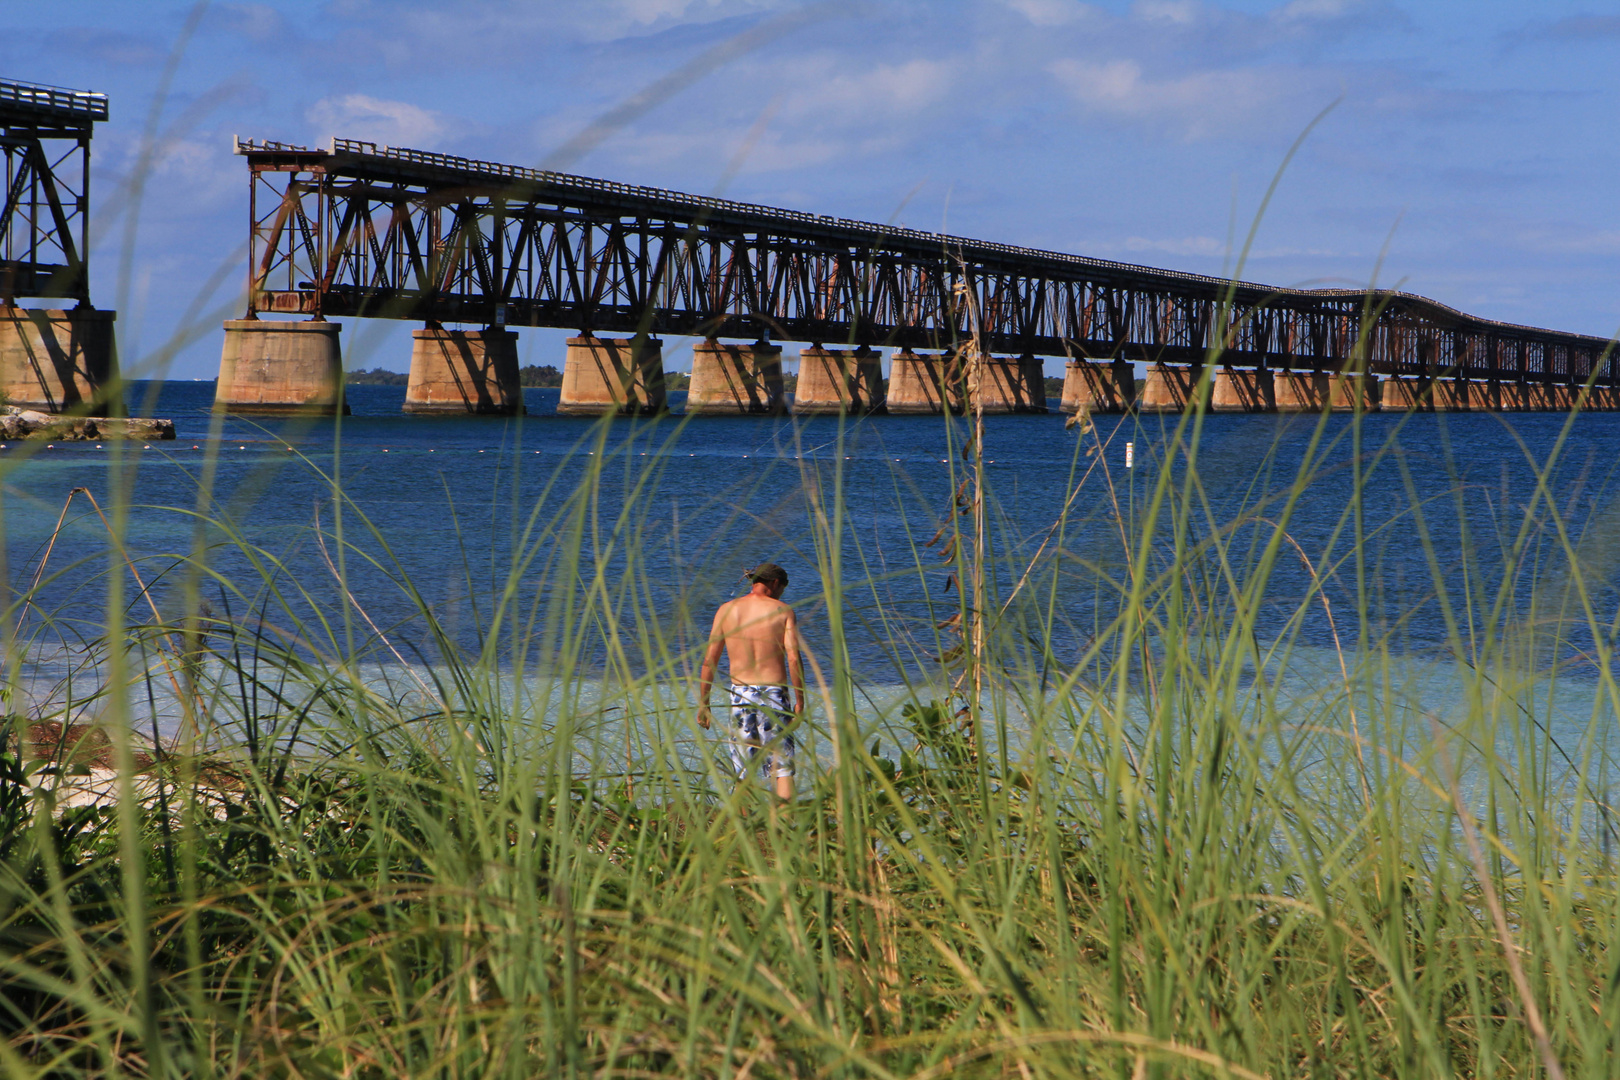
column 445, row 505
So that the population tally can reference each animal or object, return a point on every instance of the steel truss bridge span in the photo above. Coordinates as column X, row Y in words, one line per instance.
column 372, row 231
column 45, row 136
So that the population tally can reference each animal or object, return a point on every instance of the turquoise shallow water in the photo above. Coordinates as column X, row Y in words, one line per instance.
column 447, row 498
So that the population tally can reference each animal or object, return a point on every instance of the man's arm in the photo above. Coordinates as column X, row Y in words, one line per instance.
column 795, row 664
column 711, row 661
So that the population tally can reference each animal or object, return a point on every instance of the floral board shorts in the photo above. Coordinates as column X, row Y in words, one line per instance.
column 760, row 716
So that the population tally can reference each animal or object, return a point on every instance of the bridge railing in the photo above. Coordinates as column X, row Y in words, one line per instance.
column 85, row 103
column 773, row 214
column 1146, row 306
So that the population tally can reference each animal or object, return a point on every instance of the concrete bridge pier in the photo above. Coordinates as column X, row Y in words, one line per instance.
column 1237, row 390
column 1349, row 391
column 921, row 384
column 1602, row 398
column 463, row 372
column 1532, row 397
column 1510, row 396
column 833, row 381
column 735, row 380
column 1303, row 391
column 619, row 376
column 58, row 361
column 1403, row 393
column 1033, row 370
column 1169, row 388
column 273, row 368
column 1099, row 388
column 1005, row 386
column 1451, row 395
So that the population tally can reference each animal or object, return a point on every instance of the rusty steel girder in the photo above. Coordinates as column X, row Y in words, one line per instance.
column 378, row 232
column 45, row 139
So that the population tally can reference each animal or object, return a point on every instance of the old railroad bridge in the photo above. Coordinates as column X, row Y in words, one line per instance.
column 365, row 231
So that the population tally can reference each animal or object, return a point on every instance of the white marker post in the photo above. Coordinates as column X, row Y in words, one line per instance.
column 1130, row 454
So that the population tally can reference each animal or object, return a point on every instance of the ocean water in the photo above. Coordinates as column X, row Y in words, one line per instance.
column 446, row 504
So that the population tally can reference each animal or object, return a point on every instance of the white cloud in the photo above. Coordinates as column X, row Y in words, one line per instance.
column 1051, row 12
column 1315, row 9
column 1202, row 104
column 1187, row 245
column 1179, row 12
column 852, row 95
column 1571, row 241
column 360, row 116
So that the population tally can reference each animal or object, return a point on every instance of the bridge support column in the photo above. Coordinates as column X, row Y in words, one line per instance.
column 735, row 380
column 1402, row 393
column 1097, row 387
column 1350, row 391
column 1302, row 391
column 1451, row 395
column 58, row 361
column 1486, row 396
column 922, row 384
column 1511, row 397
column 621, row 376
column 1168, row 388
column 1561, row 397
column 464, row 372
column 1237, row 390
column 280, row 368
column 1033, row 370
column 1602, row 398
column 1004, row 386
column 839, row 381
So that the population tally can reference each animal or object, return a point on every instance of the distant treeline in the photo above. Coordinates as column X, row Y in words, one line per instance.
column 376, row 377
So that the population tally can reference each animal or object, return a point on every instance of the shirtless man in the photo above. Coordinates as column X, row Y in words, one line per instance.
column 760, row 638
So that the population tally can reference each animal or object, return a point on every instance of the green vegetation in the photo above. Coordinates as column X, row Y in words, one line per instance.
column 1155, row 852
column 539, row 375
column 376, row 377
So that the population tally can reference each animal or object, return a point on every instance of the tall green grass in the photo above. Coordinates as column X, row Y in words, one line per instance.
column 1128, row 837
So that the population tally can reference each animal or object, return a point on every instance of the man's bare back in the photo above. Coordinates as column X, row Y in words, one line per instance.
column 760, row 637
column 756, row 631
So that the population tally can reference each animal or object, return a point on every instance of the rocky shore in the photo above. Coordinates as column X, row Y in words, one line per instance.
column 18, row 423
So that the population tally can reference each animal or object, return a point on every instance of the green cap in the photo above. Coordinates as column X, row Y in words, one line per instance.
column 768, row 571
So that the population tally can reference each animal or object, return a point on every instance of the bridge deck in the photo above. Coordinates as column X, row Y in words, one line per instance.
column 366, row 230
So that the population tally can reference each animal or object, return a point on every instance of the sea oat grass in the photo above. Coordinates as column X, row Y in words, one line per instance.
column 1154, row 841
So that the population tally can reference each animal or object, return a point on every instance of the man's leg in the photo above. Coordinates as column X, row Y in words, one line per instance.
column 782, row 747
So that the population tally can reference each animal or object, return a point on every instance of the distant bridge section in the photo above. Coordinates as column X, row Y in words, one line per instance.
column 365, row 230
column 45, row 137
column 56, row 360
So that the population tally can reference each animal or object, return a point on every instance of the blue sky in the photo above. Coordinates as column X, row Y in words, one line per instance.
column 1473, row 146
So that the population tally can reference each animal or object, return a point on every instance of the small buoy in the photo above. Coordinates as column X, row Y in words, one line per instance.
column 50, row 446
column 385, row 450
column 148, row 446
column 241, row 448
